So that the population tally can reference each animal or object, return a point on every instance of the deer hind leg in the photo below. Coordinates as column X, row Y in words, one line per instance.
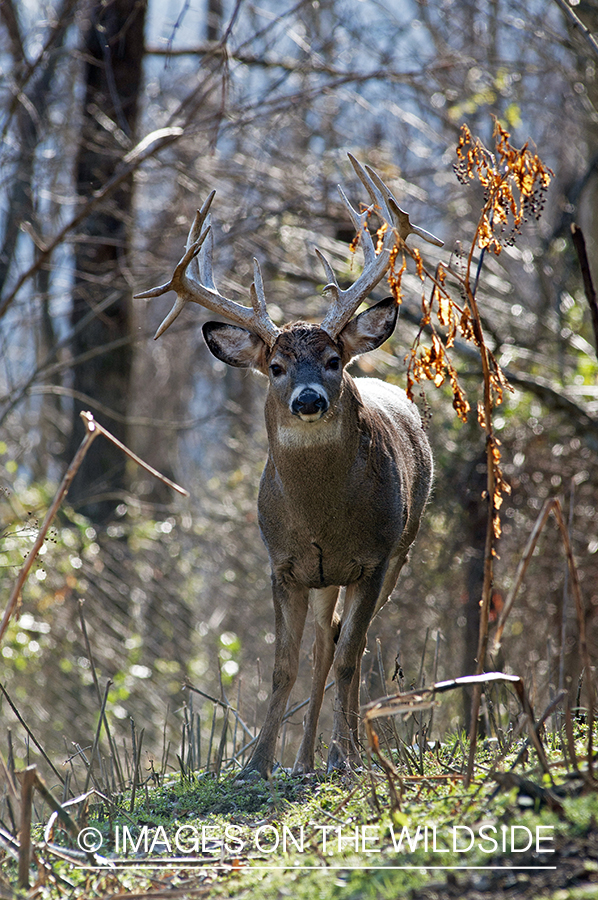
column 326, row 626
column 354, row 717
column 290, row 608
column 344, row 745
column 363, row 600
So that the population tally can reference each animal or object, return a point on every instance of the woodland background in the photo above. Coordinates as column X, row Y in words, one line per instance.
column 118, row 118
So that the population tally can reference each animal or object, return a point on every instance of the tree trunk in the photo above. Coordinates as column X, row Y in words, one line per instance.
column 113, row 78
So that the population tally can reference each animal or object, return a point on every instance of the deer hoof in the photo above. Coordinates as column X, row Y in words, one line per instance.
column 337, row 758
column 301, row 768
column 250, row 777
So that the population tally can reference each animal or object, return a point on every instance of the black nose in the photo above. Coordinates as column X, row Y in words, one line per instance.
column 308, row 403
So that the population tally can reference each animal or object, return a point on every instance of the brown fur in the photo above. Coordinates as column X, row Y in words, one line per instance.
column 340, row 501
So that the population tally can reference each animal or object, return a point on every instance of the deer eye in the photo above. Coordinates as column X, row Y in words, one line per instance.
column 333, row 364
column 276, row 370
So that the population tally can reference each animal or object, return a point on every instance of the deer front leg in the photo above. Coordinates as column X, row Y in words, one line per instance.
column 323, row 602
column 290, row 608
column 360, row 605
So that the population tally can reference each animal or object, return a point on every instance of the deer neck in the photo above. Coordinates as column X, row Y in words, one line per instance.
column 317, row 450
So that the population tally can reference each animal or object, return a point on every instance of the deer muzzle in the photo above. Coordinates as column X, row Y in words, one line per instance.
column 309, row 404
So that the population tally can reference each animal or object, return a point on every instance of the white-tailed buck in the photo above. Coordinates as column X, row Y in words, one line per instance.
column 348, row 472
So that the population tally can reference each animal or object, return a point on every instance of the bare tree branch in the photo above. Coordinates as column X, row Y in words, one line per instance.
column 584, row 264
column 577, row 23
column 167, row 137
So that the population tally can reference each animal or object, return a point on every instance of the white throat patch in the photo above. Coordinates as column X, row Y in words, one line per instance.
column 300, row 433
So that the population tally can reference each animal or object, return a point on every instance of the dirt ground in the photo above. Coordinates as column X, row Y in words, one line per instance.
column 576, row 877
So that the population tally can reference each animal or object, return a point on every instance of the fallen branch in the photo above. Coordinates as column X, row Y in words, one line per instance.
column 412, row 701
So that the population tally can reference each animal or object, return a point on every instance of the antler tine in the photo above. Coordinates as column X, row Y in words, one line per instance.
column 375, row 264
column 188, row 258
column 193, row 282
column 405, row 228
column 374, row 185
column 258, row 298
column 400, row 217
column 331, row 286
column 179, row 305
column 267, row 329
column 201, row 217
column 376, row 260
column 360, row 223
column 204, row 270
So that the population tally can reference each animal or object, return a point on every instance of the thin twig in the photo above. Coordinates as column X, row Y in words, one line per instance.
column 90, row 435
column 566, row 597
column 222, row 745
column 554, row 505
column 30, row 734
column 584, row 264
column 577, row 23
column 149, row 146
column 93, row 429
column 87, row 417
column 213, row 728
column 223, row 703
column 521, row 570
column 137, row 763
column 96, row 740
column 392, row 776
column 99, row 695
column 27, row 782
column 286, row 716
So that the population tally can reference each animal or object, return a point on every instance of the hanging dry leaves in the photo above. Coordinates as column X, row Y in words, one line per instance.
column 514, row 182
column 394, row 276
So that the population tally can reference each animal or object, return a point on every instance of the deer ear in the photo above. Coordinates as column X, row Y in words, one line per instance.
column 369, row 329
column 235, row 346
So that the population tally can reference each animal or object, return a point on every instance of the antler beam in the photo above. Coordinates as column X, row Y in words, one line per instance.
column 193, row 282
column 376, row 264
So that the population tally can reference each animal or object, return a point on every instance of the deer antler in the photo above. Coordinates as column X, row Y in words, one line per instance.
column 193, row 282
column 344, row 303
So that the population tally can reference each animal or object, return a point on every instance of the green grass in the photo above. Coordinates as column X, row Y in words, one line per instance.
column 330, row 836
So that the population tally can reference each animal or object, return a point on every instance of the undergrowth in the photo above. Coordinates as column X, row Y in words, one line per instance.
column 195, row 834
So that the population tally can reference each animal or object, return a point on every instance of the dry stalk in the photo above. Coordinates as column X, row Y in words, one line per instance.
column 31, row 781
column 514, row 183
column 553, row 505
column 424, row 698
column 103, row 716
column 27, row 782
column 392, row 776
column 30, row 734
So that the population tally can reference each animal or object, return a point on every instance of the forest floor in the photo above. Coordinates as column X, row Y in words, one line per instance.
column 409, row 829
